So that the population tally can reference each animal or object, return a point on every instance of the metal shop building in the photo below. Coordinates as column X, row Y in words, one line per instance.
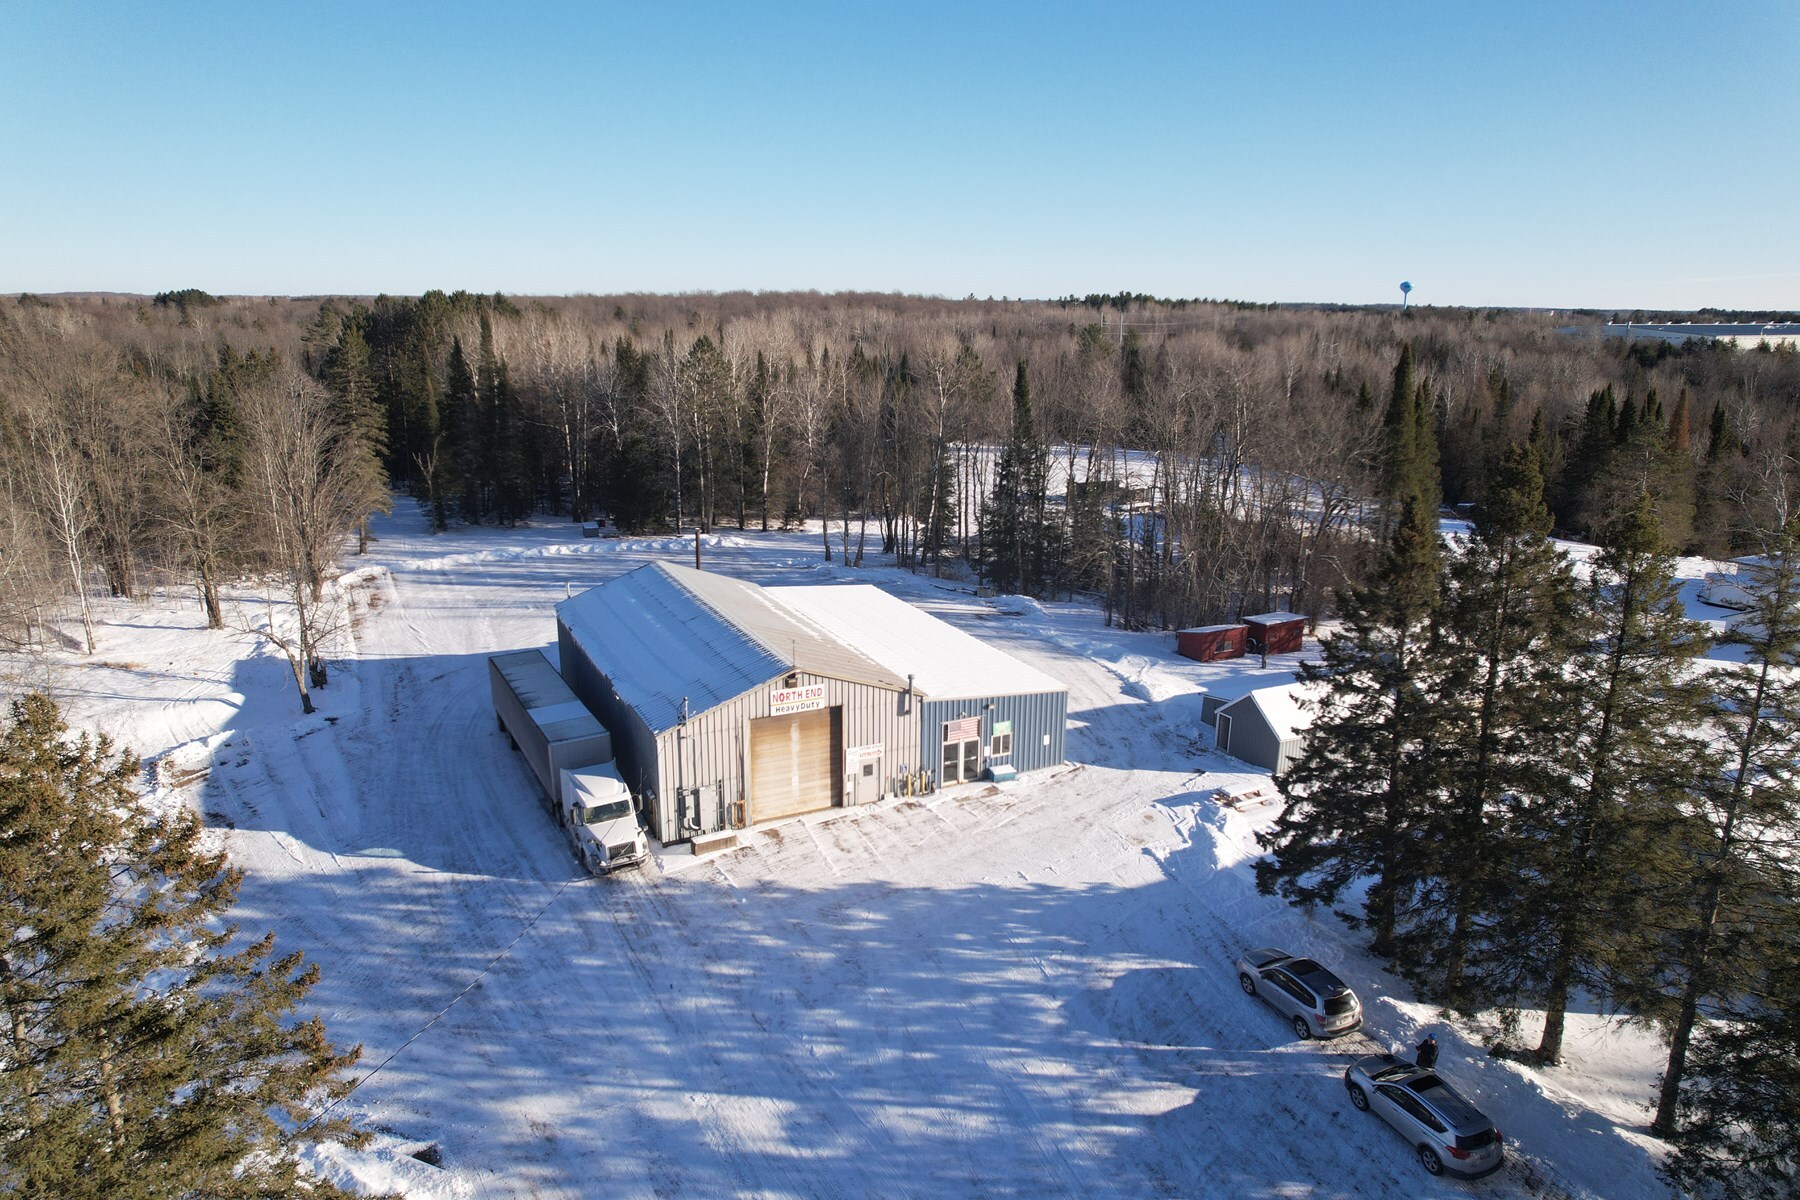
column 732, row 704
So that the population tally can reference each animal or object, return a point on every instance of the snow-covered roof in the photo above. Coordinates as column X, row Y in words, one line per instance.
column 945, row 662
column 658, row 644
column 1273, row 618
column 663, row 633
column 1212, row 628
column 1282, row 707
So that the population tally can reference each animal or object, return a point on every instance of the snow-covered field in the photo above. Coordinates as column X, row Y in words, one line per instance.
column 1022, row 990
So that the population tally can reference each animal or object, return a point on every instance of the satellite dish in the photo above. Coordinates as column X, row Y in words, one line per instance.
column 1405, row 293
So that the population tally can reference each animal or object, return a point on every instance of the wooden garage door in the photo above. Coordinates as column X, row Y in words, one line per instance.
column 792, row 763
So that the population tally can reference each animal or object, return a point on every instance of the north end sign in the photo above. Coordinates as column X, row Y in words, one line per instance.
column 786, row 701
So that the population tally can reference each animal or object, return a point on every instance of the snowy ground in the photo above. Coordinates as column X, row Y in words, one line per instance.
column 1014, row 991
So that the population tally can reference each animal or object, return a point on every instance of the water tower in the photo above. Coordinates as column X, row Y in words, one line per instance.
column 1405, row 293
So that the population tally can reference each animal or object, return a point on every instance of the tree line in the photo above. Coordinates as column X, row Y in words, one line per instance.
column 1200, row 460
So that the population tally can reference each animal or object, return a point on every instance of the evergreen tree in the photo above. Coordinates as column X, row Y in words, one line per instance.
column 1590, row 461
column 512, row 481
column 1017, row 539
column 485, row 452
column 1712, row 534
column 1734, row 907
column 147, row 1053
column 1506, row 633
column 1409, row 455
column 462, row 434
column 1585, row 852
column 1739, row 1115
column 359, row 415
column 1356, row 796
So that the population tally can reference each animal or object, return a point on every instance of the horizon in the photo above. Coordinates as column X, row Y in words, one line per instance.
column 1514, row 157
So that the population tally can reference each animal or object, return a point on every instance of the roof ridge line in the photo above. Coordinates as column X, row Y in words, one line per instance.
column 743, row 634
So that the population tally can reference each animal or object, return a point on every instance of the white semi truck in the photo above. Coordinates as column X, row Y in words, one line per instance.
column 570, row 752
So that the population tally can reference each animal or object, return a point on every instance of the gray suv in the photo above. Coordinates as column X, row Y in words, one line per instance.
column 1446, row 1131
column 1318, row 1003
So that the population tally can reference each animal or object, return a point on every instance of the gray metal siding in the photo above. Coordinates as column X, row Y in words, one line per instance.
column 1252, row 740
column 634, row 747
column 711, row 751
column 1034, row 718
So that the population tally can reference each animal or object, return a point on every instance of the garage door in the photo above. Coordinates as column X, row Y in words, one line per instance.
column 792, row 765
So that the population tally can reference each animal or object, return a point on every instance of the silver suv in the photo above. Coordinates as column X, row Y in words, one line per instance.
column 1446, row 1131
column 1317, row 1002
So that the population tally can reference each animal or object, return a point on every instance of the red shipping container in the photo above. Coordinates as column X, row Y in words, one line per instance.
column 1211, row 643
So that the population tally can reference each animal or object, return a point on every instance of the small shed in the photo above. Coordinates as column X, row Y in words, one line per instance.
column 1276, row 632
column 1211, row 643
column 1267, row 727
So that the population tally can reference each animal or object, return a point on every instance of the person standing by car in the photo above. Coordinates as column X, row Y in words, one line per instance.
column 1426, row 1053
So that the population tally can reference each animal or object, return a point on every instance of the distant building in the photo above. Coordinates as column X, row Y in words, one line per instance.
column 1741, row 336
column 1276, row 632
column 1212, row 643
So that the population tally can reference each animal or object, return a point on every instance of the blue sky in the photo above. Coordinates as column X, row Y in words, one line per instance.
column 1639, row 155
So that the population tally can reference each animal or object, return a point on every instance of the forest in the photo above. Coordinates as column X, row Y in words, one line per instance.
column 1180, row 461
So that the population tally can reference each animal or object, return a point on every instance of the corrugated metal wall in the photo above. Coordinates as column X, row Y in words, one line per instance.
column 1252, row 740
column 633, row 746
column 1039, row 725
column 710, row 754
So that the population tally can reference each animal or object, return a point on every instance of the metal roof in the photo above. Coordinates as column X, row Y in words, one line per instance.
column 664, row 633
column 946, row 663
column 793, row 636
column 1288, row 709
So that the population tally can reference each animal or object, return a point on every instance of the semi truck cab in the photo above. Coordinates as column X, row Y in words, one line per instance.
column 601, row 818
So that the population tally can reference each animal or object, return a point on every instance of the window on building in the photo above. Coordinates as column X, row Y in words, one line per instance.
column 1000, row 745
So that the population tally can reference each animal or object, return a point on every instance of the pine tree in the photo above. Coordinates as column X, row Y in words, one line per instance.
column 512, row 478
column 1712, row 535
column 1506, row 629
column 462, row 432
column 146, row 1053
column 1591, row 460
column 1017, row 541
column 1356, row 795
column 484, row 454
column 1739, row 1115
column 1586, row 851
column 1734, row 906
column 361, row 419
column 1409, row 440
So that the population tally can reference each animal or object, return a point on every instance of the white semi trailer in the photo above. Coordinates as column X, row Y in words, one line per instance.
column 571, row 754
